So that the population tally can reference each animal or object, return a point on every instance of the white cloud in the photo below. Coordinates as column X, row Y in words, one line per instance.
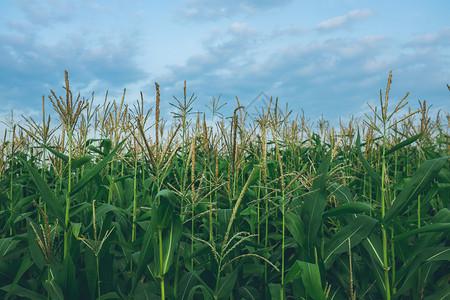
column 441, row 38
column 211, row 10
column 345, row 21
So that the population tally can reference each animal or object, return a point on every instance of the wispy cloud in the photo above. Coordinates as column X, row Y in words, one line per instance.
column 46, row 13
column 345, row 21
column 35, row 64
column 201, row 10
column 441, row 38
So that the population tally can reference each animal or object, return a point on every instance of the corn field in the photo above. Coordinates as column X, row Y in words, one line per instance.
column 112, row 202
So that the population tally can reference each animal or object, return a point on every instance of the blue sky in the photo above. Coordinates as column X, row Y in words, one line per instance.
column 324, row 57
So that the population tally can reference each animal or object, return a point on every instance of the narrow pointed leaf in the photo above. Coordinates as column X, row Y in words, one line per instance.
column 167, row 201
column 276, row 292
column 374, row 175
column 315, row 203
column 348, row 208
column 310, row 275
column 186, row 283
column 249, row 293
column 170, row 242
column 24, row 266
column 54, row 290
column 47, row 194
column 146, row 249
column 421, row 179
column 356, row 231
column 23, row 292
column 295, row 226
column 404, row 143
column 87, row 177
column 427, row 255
column 226, row 285
column 438, row 227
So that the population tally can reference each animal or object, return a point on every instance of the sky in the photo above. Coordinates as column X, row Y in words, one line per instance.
column 325, row 58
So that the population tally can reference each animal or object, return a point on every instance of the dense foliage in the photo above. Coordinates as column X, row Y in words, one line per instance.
column 112, row 204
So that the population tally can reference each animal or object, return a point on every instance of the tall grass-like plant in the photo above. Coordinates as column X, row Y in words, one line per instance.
column 69, row 112
column 209, row 210
column 385, row 118
column 96, row 244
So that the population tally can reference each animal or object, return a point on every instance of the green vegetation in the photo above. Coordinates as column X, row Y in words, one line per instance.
column 112, row 204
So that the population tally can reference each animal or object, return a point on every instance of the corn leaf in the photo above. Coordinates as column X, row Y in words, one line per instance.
column 295, row 226
column 437, row 227
column 249, row 293
column 24, row 266
column 167, row 201
column 87, row 177
column 170, row 241
column 421, row 179
column 348, row 208
column 315, row 203
column 310, row 275
column 146, row 248
column 47, row 194
column 427, row 255
column 404, row 143
column 356, row 231
column 374, row 175
column 226, row 285
column 186, row 283
column 54, row 290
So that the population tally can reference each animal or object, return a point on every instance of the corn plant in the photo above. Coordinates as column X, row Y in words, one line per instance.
column 119, row 203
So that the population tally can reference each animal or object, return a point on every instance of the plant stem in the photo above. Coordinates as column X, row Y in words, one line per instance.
column 383, row 211
column 161, row 264
column 98, row 277
column 66, row 233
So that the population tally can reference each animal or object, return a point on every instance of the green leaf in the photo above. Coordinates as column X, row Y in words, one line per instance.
column 167, row 201
column 374, row 175
column 170, row 242
column 441, row 293
column 61, row 156
column 437, row 227
column 226, row 285
column 91, row 271
column 315, row 203
column 429, row 239
column 7, row 245
column 421, row 178
column 427, row 255
column 110, row 295
column 404, row 143
column 47, row 194
column 87, row 177
column 69, row 278
column 203, row 283
column 146, row 249
column 356, row 231
column 348, row 208
column 23, row 292
column 78, row 163
column 373, row 246
column 54, row 290
column 186, row 283
column 249, row 293
column 310, row 275
column 276, row 292
column 206, row 293
column 295, row 226
column 24, row 266
column 33, row 247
